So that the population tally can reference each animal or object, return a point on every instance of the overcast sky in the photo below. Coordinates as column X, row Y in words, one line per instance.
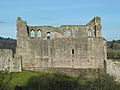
column 59, row 12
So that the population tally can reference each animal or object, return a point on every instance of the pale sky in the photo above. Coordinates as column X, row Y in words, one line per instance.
column 60, row 12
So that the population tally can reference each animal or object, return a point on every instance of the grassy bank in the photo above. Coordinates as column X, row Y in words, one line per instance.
column 29, row 80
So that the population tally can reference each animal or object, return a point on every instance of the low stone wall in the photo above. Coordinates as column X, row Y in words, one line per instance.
column 8, row 63
column 5, row 59
column 113, row 69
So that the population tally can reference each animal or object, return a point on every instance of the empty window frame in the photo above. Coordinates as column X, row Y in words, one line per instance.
column 89, row 33
column 68, row 33
column 39, row 34
column 73, row 52
column 32, row 33
column 48, row 35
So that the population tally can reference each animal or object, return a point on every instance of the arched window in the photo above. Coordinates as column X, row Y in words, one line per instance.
column 32, row 33
column 90, row 33
column 39, row 34
column 68, row 33
column 48, row 35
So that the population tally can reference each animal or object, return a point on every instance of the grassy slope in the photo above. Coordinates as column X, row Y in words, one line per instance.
column 53, row 81
column 22, row 78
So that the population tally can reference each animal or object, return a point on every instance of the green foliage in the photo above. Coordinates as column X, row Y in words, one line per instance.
column 113, row 54
column 8, row 43
column 5, row 79
column 57, row 82
column 101, row 82
column 21, row 78
column 30, row 80
column 105, row 82
column 2, row 38
column 113, row 50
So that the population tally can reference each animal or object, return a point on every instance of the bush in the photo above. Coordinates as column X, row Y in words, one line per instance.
column 57, row 82
column 5, row 79
column 105, row 82
column 60, row 82
column 113, row 54
column 28, row 80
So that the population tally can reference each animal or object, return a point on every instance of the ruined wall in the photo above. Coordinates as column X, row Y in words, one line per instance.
column 67, row 46
column 8, row 62
column 66, row 53
column 113, row 68
column 5, row 59
column 16, row 64
column 94, row 27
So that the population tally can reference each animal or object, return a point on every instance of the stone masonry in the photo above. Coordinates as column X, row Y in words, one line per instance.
column 67, row 46
column 5, row 59
column 8, row 61
column 61, row 48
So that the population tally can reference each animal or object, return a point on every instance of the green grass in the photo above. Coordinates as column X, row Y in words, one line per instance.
column 113, row 54
column 31, row 80
column 22, row 78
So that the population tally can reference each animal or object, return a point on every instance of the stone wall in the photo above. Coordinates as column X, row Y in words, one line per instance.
column 67, row 46
column 5, row 59
column 113, row 68
column 16, row 64
column 65, row 52
column 8, row 62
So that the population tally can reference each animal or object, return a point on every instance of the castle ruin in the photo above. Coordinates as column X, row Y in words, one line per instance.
column 65, row 47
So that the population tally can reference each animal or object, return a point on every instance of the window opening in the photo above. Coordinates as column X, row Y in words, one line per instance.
column 90, row 33
column 39, row 34
column 32, row 33
column 73, row 51
column 48, row 35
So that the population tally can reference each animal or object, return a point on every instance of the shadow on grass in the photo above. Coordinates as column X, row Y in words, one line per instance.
column 57, row 82
column 63, row 82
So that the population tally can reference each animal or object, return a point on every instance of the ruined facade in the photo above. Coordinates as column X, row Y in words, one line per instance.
column 67, row 48
column 9, row 61
column 64, row 47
